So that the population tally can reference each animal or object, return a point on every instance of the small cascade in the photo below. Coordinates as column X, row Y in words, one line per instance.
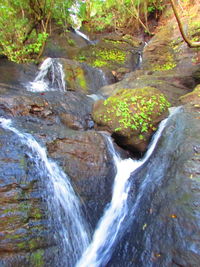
column 140, row 54
column 97, row 78
column 49, row 78
column 63, row 204
column 84, row 36
column 95, row 97
column 107, row 232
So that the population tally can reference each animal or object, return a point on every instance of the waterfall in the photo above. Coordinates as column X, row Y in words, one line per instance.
column 49, row 78
column 84, row 36
column 63, row 204
column 105, row 236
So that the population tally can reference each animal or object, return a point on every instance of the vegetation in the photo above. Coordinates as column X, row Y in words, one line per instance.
column 103, row 57
column 132, row 110
column 26, row 24
column 190, row 43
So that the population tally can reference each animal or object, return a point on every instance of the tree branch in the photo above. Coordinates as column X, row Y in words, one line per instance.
column 185, row 38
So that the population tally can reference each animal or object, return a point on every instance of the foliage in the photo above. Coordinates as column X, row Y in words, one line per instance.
column 24, row 26
column 99, row 56
column 132, row 110
column 120, row 14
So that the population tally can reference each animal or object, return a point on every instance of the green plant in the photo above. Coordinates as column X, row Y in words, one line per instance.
column 71, row 42
column 134, row 109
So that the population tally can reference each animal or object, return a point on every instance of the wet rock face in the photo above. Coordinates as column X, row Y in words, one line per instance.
column 131, row 115
column 51, row 107
column 84, row 78
column 14, row 74
column 86, row 160
column 26, row 236
column 162, row 229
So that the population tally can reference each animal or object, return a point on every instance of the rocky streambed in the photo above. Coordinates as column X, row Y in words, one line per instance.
column 162, row 228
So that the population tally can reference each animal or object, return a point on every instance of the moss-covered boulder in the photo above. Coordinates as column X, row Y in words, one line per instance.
column 132, row 115
column 112, row 52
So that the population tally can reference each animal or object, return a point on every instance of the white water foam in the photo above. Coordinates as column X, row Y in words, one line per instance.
column 105, row 235
column 50, row 77
column 62, row 200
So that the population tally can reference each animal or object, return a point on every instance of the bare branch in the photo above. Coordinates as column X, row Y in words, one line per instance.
column 185, row 38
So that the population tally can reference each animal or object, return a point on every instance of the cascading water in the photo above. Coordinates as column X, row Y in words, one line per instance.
column 84, row 36
column 50, row 77
column 106, row 234
column 63, row 204
column 140, row 59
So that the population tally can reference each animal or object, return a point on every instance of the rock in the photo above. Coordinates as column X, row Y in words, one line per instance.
column 170, row 83
column 84, row 78
column 63, row 44
column 85, row 158
column 21, row 73
column 131, row 115
column 192, row 98
column 167, row 50
column 50, row 106
column 26, row 234
column 162, row 226
column 112, row 52
column 167, row 62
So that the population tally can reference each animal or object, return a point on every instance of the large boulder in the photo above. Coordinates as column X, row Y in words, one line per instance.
column 162, row 224
column 85, row 158
column 170, row 83
column 84, row 78
column 132, row 115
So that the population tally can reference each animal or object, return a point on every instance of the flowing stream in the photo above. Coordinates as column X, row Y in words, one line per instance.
column 49, row 78
column 105, row 236
column 63, row 204
column 73, row 237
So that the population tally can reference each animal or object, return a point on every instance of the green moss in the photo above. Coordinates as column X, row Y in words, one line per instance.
column 33, row 243
column 111, row 54
column 100, row 57
column 13, row 236
column 76, row 79
column 22, row 245
column 99, row 63
column 37, row 258
column 114, row 42
column 71, row 42
column 36, row 213
column 81, row 80
column 130, row 110
column 168, row 64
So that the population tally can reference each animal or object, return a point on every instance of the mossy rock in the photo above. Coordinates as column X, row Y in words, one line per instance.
column 192, row 98
column 132, row 115
column 111, row 52
column 99, row 57
column 74, row 76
